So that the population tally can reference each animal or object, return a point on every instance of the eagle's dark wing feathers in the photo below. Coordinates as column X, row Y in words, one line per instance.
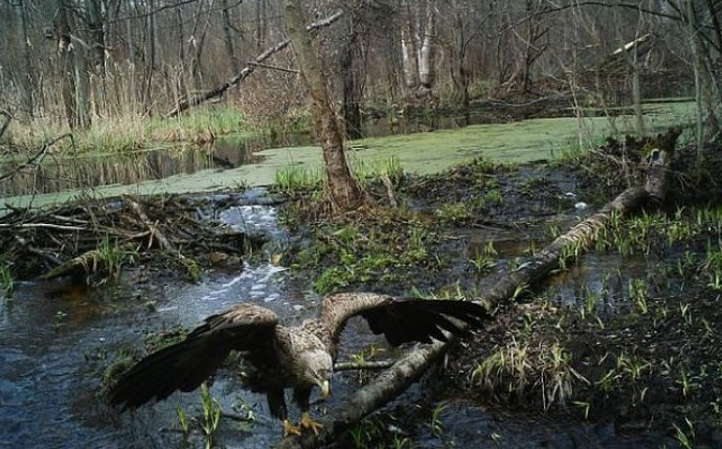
column 185, row 365
column 410, row 320
column 401, row 320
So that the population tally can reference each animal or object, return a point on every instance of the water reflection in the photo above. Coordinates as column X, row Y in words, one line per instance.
column 59, row 173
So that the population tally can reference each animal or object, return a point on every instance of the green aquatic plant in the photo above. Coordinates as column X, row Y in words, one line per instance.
column 112, row 257
column 183, row 420
column 296, row 179
column 437, row 425
column 519, row 369
column 638, row 293
column 485, row 259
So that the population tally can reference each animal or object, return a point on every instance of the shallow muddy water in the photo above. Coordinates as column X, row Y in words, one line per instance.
column 56, row 341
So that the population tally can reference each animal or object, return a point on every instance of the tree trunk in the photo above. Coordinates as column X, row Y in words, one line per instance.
column 82, row 77
column 459, row 71
column 96, row 55
column 261, row 24
column 345, row 192
column 27, row 72
column 66, row 57
column 150, row 56
column 228, row 36
column 427, row 52
column 409, row 49
column 94, row 17
column 353, row 77
column 197, row 40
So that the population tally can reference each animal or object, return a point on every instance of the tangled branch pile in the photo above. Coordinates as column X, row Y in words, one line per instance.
column 96, row 237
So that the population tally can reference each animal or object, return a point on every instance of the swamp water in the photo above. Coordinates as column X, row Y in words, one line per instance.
column 56, row 342
column 233, row 161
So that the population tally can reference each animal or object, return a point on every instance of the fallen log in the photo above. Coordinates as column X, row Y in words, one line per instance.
column 220, row 89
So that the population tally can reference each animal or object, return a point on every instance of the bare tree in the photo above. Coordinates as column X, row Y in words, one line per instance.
column 345, row 191
column 229, row 33
column 26, row 70
column 353, row 68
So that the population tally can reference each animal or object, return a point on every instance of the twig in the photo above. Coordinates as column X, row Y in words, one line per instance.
column 8, row 117
column 389, row 190
column 42, row 225
column 271, row 67
column 39, row 252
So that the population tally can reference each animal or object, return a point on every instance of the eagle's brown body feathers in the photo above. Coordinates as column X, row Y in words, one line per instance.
column 278, row 357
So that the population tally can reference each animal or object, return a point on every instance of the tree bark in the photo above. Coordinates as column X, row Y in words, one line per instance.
column 396, row 379
column 345, row 192
column 228, row 36
column 427, row 51
column 353, row 70
column 409, row 48
column 96, row 55
column 66, row 59
column 27, row 73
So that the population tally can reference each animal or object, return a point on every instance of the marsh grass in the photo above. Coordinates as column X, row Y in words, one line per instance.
column 377, row 255
column 211, row 415
column 521, row 370
column 135, row 132
column 366, row 170
column 297, row 179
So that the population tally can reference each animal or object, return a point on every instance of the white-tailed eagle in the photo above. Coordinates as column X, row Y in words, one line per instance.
column 276, row 357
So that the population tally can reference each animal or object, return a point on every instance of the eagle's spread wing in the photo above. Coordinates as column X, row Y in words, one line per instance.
column 185, row 365
column 401, row 320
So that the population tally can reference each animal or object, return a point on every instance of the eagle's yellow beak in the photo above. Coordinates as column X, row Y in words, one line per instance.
column 325, row 388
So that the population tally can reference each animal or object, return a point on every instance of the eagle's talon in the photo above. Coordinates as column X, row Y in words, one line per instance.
column 290, row 429
column 307, row 422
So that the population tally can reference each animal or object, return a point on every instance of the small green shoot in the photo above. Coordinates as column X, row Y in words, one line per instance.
column 211, row 414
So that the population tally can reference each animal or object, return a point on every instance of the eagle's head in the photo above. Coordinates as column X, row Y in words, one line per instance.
column 318, row 369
